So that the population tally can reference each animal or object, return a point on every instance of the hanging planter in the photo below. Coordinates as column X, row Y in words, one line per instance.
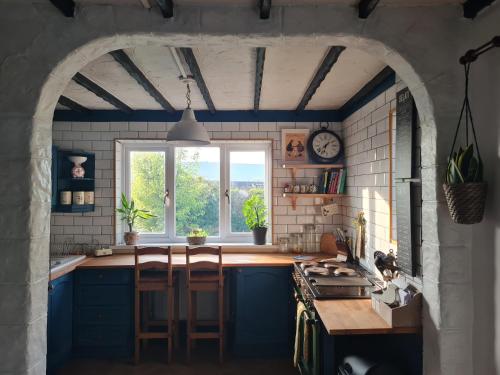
column 464, row 189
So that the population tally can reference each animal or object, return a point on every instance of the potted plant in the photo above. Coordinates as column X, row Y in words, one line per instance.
column 465, row 190
column 197, row 236
column 129, row 213
column 255, row 213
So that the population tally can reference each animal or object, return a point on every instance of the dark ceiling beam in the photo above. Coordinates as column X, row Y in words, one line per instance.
column 67, row 7
column 198, row 77
column 366, row 7
column 259, row 73
column 122, row 58
column 166, row 7
column 357, row 100
column 100, row 92
column 473, row 7
column 265, row 9
column 323, row 70
column 71, row 104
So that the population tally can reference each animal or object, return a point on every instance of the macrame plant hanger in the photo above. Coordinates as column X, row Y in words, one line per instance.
column 466, row 200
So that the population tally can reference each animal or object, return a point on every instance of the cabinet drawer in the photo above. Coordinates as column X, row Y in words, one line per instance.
column 104, row 315
column 104, row 295
column 101, row 336
column 105, row 276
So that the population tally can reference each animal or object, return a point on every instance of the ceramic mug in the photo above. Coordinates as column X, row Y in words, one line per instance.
column 89, row 197
column 79, row 197
column 65, row 197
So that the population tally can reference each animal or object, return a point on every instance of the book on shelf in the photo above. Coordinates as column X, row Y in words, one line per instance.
column 332, row 181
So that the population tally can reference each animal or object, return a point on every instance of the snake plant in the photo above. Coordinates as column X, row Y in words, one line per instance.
column 464, row 167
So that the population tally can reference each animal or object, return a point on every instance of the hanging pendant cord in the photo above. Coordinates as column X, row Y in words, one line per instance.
column 188, row 96
column 468, row 117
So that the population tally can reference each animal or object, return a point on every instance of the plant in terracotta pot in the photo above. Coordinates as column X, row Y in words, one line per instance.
column 197, row 236
column 129, row 213
column 255, row 213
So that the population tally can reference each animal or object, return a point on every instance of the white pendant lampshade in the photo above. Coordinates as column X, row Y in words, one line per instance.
column 188, row 131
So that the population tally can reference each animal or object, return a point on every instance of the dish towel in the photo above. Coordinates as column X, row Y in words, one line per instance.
column 301, row 346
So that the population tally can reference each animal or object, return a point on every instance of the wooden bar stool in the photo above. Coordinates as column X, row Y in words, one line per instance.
column 203, row 274
column 153, row 275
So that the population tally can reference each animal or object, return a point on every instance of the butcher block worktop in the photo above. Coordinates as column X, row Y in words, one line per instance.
column 354, row 317
column 179, row 260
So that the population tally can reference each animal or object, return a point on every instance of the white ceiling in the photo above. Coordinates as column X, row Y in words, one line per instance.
column 229, row 73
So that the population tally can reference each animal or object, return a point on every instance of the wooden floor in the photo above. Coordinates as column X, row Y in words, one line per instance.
column 204, row 361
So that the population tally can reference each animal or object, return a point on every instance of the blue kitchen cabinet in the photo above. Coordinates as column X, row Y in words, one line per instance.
column 103, row 315
column 59, row 322
column 263, row 312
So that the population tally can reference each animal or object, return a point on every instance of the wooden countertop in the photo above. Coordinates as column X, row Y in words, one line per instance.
column 179, row 260
column 354, row 317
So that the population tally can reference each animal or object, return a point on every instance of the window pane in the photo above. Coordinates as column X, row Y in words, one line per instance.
column 247, row 171
column 147, row 187
column 197, row 188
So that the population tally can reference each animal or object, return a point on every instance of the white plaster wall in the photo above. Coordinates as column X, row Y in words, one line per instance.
column 485, row 251
column 98, row 137
column 40, row 51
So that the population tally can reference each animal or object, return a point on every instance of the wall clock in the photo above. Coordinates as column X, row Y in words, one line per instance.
column 324, row 146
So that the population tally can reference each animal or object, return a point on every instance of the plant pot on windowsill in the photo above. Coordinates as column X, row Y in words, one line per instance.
column 131, row 238
column 197, row 237
column 259, row 235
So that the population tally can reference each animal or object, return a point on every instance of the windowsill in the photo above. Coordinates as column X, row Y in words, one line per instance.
column 180, row 247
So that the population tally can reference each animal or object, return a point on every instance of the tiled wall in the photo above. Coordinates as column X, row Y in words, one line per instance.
column 366, row 139
column 97, row 226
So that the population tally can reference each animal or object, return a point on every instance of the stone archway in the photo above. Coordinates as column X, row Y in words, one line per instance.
column 36, row 77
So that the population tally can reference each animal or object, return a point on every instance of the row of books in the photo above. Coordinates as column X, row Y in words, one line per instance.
column 332, row 181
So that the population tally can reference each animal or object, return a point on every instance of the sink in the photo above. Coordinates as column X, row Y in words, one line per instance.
column 58, row 262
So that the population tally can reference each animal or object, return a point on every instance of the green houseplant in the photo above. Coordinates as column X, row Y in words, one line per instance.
column 255, row 213
column 129, row 214
column 197, row 236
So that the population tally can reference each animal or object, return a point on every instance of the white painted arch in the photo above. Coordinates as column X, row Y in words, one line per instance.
column 37, row 69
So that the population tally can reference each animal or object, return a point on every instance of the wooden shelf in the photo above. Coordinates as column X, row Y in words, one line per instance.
column 294, row 196
column 74, row 208
column 311, row 195
column 312, row 166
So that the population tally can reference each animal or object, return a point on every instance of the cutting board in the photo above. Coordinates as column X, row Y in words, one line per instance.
column 327, row 244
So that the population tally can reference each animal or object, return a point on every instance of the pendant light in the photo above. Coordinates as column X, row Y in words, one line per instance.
column 188, row 131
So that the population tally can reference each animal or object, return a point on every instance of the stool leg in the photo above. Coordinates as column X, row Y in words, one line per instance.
column 188, row 328
column 194, row 316
column 170, row 303
column 137, row 319
column 221, row 325
column 146, row 315
column 176, row 316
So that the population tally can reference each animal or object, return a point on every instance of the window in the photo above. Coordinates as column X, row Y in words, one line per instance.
column 195, row 187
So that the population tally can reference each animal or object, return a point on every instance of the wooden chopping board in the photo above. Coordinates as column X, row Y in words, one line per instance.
column 328, row 244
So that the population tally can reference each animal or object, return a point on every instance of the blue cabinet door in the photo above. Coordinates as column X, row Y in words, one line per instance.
column 262, row 312
column 59, row 322
column 103, row 317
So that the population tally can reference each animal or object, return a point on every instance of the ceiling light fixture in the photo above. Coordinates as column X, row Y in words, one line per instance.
column 188, row 131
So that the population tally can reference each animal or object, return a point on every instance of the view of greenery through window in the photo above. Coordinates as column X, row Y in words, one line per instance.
column 197, row 187
column 147, row 186
column 247, row 171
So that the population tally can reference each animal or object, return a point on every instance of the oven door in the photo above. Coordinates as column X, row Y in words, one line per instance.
column 308, row 361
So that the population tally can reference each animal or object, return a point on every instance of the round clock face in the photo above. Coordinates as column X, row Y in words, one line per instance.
column 325, row 146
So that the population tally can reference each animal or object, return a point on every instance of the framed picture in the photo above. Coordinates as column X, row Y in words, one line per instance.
column 294, row 145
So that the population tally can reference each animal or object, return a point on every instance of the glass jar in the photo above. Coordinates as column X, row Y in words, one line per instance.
column 309, row 238
column 283, row 243
column 300, row 242
column 292, row 243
